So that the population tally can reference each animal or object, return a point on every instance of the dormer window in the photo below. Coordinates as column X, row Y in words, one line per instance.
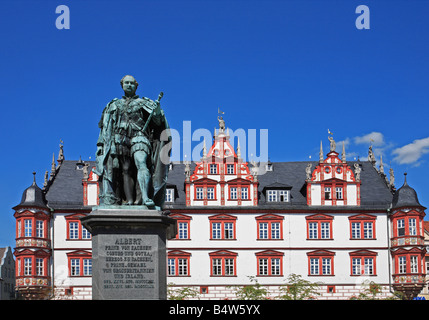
column 169, row 195
column 278, row 195
column 269, row 166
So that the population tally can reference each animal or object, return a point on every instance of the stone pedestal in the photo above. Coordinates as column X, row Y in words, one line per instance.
column 129, row 252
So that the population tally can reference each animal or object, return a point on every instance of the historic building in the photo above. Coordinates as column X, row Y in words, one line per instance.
column 333, row 221
column 7, row 274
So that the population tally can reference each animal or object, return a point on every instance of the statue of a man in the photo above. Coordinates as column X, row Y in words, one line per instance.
column 132, row 150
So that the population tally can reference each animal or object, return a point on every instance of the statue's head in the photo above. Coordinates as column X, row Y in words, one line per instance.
column 129, row 85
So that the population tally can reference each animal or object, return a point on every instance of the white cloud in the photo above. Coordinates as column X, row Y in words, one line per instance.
column 412, row 152
column 376, row 137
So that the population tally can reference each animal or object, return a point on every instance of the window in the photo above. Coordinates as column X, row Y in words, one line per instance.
column 409, row 262
column 213, row 169
column 87, row 267
column 269, row 263
column 327, row 193
column 244, row 193
column 183, row 225
column 362, row 227
column 278, row 195
column 412, row 226
column 269, row 227
column 75, row 267
column 27, row 266
column 319, row 227
column 40, row 230
column 320, row 263
column 339, row 193
column 204, row 192
column 401, row 227
column 222, row 227
column 402, row 264
column 363, row 263
column 183, row 230
column 210, row 193
column 233, row 193
column 80, row 263
column 272, row 195
column 75, row 229
column 283, row 196
column 223, row 263
column 229, row 230
column 407, row 224
column 230, row 169
column 178, row 263
column 413, row 264
column 28, row 227
column 169, row 195
column 199, row 193
column 39, row 267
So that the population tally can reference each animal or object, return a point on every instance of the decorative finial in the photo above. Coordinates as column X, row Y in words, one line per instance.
column 321, row 152
column 53, row 167
column 45, row 184
column 343, row 155
column 405, row 179
column 238, row 148
column 61, row 153
column 392, row 177
column 34, row 177
column 381, row 164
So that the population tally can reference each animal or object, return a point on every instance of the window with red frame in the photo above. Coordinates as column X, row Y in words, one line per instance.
column 33, row 226
column 223, row 263
column 183, row 226
column 205, row 192
column 269, row 263
column 408, row 262
column 362, row 227
column 178, row 263
column 75, row 229
column 407, row 224
column 270, row 227
column 363, row 262
column 319, row 227
column 80, row 264
column 30, row 264
column 222, row 227
column 321, row 263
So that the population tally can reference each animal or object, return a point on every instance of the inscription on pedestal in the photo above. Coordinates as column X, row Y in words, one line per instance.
column 129, row 265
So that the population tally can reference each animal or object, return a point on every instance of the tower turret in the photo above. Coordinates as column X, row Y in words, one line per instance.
column 33, row 245
column 407, row 241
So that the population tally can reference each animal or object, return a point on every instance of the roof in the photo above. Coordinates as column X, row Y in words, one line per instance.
column 66, row 190
column 32, row 196
column 405, row 196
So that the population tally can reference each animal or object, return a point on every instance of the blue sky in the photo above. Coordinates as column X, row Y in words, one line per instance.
column 296, row 68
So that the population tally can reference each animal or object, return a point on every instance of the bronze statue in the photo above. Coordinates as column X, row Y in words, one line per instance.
column 133, row 150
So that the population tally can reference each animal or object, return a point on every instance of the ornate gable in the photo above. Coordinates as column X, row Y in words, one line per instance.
column 333, row 182
column 221, row 177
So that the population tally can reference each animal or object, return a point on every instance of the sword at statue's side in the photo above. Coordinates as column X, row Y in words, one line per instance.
column 153, row 111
